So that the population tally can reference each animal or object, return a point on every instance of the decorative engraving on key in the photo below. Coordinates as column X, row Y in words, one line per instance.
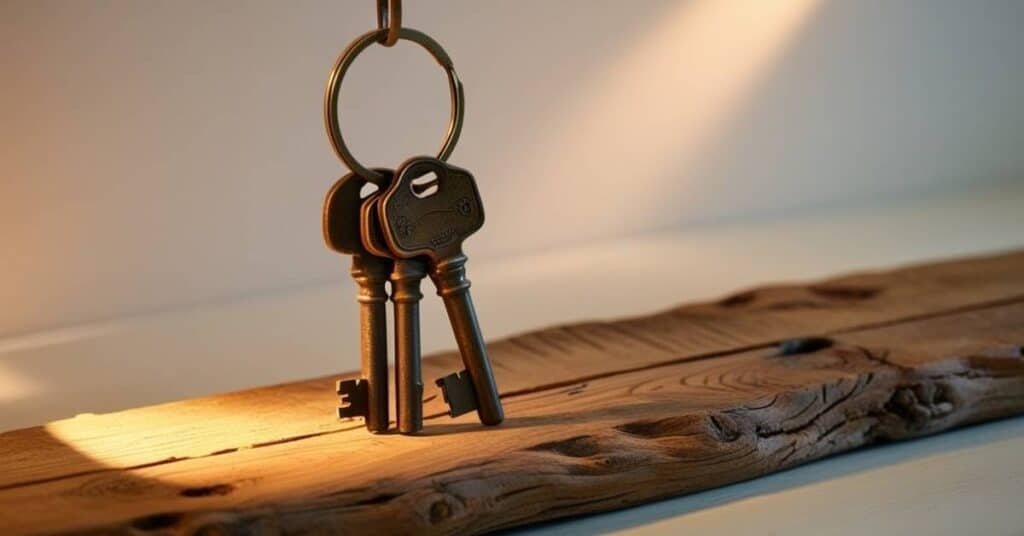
column 434, row 226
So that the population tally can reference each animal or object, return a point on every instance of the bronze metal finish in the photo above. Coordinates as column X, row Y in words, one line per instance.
column 403, row 232
column 435, row 226
column 406, row 296
column 341, row 66
column 366, row 397
column 389, row 17
column 406, row 275
column 370, row 229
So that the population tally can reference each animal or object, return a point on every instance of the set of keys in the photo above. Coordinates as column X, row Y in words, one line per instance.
column 412, row 226
column 401, row 235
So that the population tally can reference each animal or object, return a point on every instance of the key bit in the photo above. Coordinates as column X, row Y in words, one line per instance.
column 354, row 398
column 458, row 392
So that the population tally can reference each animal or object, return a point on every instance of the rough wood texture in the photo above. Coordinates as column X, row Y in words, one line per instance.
column 600, row 415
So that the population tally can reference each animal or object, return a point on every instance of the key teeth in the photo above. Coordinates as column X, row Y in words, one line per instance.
column 354, row 398
column 459, row 394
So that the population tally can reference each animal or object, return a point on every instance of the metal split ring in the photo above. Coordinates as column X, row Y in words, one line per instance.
column 334, row 88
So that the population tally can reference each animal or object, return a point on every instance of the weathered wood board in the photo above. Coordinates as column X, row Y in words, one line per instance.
column 601, row 415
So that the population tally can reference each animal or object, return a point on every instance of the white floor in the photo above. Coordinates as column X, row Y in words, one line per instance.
column 937, row 485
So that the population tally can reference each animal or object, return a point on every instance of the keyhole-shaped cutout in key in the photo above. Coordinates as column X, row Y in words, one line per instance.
column 367, row 190
column 425, row 186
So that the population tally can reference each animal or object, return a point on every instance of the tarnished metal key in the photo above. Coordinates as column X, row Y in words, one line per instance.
column 366, row 397
column 432, row 220
column 405, row 294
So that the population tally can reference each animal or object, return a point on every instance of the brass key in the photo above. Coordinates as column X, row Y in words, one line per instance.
column 405, row 295
column 433, row 220
column 366, row 397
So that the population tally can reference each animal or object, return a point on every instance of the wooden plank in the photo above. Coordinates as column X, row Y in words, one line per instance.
column 611, row 442
column 745, row 320
column 623, row 412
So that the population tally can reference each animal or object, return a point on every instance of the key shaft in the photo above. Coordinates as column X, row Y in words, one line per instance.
column 406, row 296
column 449, row 277
column 371, row 274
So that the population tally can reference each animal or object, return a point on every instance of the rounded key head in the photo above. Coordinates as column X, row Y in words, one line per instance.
column 430, row 218
column 341, row 224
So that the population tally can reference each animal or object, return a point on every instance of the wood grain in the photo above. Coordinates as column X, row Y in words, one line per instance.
column 601, row 415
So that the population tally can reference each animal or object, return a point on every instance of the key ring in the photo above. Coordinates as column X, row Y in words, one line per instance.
column 458, row 99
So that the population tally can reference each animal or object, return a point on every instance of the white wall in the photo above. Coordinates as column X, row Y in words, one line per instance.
column 155, row 154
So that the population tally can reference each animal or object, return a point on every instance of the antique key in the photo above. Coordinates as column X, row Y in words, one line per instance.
column 366, row 397
column 432, row 221
column 406, row 275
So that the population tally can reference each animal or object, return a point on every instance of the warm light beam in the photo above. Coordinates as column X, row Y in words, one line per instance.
column 623, row 148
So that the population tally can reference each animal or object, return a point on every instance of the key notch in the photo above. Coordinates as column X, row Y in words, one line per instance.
column 425, row 185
